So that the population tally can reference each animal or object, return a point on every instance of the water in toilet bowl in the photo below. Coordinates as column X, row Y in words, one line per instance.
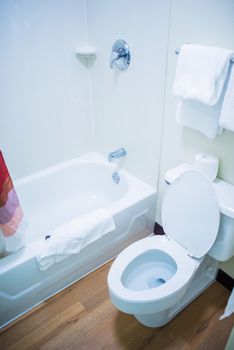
column 149, row 270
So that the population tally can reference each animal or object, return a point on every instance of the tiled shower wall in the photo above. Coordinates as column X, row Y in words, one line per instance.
column 44, row 90
column 128, row 105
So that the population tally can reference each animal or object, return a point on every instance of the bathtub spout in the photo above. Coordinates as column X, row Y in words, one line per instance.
column 119, row 153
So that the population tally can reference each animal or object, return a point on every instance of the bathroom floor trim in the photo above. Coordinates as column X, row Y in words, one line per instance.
column 158, row 229
column 222, row 277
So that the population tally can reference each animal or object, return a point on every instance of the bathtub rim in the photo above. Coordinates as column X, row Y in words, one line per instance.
column 137, row 188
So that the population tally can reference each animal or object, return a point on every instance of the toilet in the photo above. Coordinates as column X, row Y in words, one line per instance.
column 156, row 277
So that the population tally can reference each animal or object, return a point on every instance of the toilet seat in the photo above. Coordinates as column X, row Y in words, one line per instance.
column 190, row 213
column 185, row 268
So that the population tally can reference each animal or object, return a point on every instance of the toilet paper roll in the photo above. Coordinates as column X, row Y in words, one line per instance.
column 230, row 306
column 208, row 164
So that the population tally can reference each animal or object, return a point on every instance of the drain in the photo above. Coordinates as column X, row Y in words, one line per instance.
column 156, row 282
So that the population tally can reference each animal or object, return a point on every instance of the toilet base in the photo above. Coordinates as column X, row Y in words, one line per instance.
column 154, row 320
column 204, row 277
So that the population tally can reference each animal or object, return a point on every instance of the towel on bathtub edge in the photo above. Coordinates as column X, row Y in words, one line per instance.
column 70, row 237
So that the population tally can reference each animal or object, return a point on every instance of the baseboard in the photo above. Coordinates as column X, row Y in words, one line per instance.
column 158, row 230
column 222, row 277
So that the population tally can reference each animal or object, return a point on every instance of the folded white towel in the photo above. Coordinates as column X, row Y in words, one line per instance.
column 227, row 111
column 71, row 237
column 200, row 117
column 201, row 73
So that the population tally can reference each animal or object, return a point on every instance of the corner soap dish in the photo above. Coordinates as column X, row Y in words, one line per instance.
column 86, row 51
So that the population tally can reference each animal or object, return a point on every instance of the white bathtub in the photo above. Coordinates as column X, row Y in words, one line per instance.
column 55, row 196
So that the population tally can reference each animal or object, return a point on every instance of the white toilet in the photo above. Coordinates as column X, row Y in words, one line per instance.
column 156, row 277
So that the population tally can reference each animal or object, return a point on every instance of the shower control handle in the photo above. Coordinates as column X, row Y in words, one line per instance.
column 120, row 55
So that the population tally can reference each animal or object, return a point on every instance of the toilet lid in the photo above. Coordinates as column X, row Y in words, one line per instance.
column 190, row 213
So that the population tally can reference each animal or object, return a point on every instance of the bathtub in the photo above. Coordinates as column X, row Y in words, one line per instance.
column 55, row 196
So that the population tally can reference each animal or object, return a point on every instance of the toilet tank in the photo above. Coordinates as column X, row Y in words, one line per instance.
column 223, row 247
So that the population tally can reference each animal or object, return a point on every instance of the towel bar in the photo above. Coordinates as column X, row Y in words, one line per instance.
column 177, row 51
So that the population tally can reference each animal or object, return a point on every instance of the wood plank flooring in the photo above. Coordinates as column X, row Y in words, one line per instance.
column 82, row 317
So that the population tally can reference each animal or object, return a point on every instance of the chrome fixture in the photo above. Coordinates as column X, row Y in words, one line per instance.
column 119, row 153
column 116, row 177
column 120, row 55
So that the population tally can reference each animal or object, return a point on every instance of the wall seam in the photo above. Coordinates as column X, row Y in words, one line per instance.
column 89, row 63
column 164, row 107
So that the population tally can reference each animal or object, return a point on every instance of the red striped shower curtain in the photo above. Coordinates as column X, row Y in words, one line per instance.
column 11, row 213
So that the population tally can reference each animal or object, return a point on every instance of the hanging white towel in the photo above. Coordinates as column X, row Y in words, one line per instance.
column 201, row 73
column 200, row 117
column 71, row 237
column 227, row 111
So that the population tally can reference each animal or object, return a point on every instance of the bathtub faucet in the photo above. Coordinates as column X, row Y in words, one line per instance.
column 119, row 153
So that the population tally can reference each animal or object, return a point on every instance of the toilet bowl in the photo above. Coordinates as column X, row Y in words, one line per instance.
column 151, row 278
column 150, row 275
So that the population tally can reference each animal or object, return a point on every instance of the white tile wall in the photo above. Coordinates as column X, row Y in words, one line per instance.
column 44, row 90
column 128, row 105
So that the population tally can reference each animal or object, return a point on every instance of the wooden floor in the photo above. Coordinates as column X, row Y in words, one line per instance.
column 82, row 317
